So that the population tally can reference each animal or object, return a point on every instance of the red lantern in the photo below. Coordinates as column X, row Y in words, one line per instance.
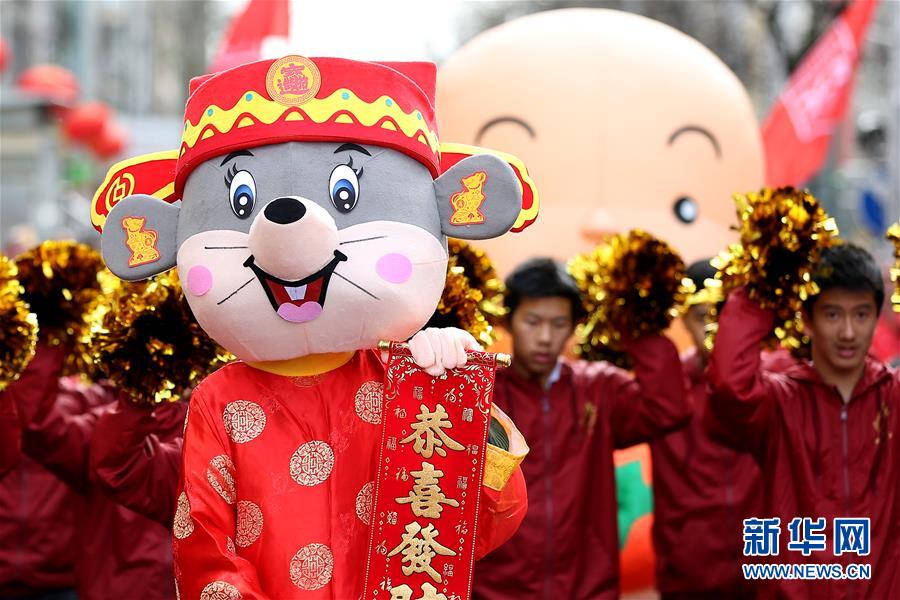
column 4, row 54
column 50, row 82
column 111, row 141
column 86, row 121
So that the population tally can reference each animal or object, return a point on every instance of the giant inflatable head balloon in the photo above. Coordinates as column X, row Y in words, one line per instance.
column 623, row 121
column 308, row 207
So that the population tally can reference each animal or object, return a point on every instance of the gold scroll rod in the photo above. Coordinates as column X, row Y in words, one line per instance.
column 502, row 358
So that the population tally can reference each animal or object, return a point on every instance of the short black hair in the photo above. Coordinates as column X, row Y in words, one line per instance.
column 847, row 267
column 542, row 278
column 700, row 271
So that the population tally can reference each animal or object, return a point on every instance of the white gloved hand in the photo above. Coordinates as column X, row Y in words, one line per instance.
column 437, row 350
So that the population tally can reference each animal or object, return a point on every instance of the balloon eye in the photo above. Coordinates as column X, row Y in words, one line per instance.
column 242, row 194
column 343, row 188
column 686, row 209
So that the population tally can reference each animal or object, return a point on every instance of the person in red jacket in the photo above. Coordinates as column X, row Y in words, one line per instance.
column 37, row 510
column 132, row 464
column 702, row 488
column 118, row 552
column 826, row 432
column 573, row 414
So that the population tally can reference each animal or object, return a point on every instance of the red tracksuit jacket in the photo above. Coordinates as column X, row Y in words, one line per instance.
column 702, row 491
column 132, row 465
column 567, row 546
column 119, row 554
column 37, row 510
column 820, row 457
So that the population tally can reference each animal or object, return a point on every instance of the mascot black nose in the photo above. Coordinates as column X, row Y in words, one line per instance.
column 284, row 210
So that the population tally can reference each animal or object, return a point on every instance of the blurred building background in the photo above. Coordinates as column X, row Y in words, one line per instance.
column 137, row 56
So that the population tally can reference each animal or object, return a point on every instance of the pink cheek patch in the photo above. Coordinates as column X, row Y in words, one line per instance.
column 199, row 280
column 394, row 268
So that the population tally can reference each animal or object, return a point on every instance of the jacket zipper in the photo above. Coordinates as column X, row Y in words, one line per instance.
column 844, row 417
column 846, row 440
column 24, row 502
column 548, row 475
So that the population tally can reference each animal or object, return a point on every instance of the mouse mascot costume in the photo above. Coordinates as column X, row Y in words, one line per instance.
column 307, row 211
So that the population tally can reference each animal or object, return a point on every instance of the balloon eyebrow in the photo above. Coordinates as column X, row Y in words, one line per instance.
column 702, row 131
column 234, row 155
column 508, row 119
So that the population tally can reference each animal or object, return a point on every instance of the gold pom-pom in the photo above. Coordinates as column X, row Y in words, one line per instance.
column 782, row 234
column 482, row 275
column 60, row 279
column 82, row 357
column 633, row 285
column 893, row 234
column 149, row 344
column 463, row 303
column 18, row 326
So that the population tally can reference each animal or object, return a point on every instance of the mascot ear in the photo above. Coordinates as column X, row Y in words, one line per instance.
column 478, row 198
column 139, row 237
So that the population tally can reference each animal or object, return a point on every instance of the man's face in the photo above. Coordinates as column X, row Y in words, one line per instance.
column 695, row 323
column 841, row 329
column 540, row 328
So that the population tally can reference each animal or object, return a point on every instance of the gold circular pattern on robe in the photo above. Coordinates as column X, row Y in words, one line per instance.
column 183, row 525
column 243, row 421
column 220, row 590
column 220, row 475
column 369, row 399
column 364, row 502
column 229, row 545
column 311, row 464
column 249, row 523
column 312, row 566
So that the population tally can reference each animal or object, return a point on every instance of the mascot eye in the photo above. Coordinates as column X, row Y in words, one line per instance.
column 343, row 187
column 241, row 192
column 686, row 209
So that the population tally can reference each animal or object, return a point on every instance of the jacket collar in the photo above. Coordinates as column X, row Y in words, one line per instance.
column 874, row 373
column 561, row 372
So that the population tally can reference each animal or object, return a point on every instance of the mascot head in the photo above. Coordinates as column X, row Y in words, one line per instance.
column 308, row 208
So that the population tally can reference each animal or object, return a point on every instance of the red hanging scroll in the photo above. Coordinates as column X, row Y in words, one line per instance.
column 427, row 490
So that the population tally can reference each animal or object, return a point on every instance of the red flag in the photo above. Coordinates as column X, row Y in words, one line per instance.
column 799, row 127
column 243, row 43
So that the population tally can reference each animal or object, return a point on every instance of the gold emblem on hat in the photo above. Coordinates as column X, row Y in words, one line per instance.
column 293, row 80
column 121, row 187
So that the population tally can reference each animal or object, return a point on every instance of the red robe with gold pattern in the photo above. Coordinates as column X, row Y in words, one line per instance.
column 277, row 484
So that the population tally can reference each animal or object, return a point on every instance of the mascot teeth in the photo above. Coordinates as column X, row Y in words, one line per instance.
column 297, row 292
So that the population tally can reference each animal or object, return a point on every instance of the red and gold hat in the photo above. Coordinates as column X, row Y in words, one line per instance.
column 293, row 98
